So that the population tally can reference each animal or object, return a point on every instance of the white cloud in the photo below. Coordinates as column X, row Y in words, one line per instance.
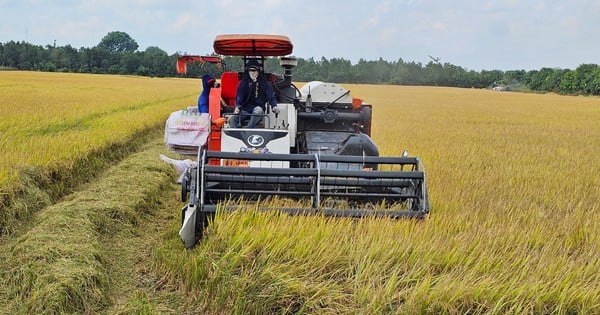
column 181, row 22
column 570, row 25
column 379, row 13
column 273, row 3
column 388, row 34
column 438, row 26
column 79, row 29
column 234, row 10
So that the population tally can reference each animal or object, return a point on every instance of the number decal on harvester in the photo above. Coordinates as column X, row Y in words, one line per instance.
column 236, row 163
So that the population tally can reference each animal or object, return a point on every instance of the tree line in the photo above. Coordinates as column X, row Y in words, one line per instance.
column 117, row 53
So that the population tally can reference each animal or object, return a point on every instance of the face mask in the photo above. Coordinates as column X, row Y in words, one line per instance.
column 253, row 75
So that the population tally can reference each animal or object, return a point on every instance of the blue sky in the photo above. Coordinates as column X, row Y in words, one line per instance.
column 476, row 35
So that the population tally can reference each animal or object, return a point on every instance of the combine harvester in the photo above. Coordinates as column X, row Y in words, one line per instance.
column 316, row 149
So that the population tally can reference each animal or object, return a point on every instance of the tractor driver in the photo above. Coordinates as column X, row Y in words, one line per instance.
column 253, row 93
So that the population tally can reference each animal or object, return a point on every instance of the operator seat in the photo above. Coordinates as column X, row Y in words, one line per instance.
column 229, row 83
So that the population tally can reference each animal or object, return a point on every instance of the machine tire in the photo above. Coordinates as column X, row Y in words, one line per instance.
column 200, row 225
column 185, row 188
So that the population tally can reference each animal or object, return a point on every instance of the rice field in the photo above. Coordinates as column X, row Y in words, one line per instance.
column 513, row 181
column 53, row 123
column 51, row 118
column 515, row 191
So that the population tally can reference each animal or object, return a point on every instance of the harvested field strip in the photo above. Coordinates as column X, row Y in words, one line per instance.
column 41, row 187
column 59, row 265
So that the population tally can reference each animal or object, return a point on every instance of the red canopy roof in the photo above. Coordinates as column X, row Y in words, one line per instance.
column 252, row 45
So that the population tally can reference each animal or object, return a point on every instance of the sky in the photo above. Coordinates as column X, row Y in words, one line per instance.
column 476, row 35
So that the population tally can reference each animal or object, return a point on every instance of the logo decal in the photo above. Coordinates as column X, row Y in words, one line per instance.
column 256, row 140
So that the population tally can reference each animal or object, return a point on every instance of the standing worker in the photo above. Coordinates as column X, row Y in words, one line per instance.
column 208, row 82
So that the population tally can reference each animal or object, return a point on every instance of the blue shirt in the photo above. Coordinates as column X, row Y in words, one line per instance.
column 203, row 98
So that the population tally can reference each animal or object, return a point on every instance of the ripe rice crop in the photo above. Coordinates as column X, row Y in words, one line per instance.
column 515, row 192
column 49, row 122
column 513, row 183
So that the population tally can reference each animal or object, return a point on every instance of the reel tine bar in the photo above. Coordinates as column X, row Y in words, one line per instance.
column 360, row 179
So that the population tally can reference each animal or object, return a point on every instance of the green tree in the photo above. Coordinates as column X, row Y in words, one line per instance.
column 340, row 70
column 514, row 76
column 489, row 78
column 307, row 70
column 157, row 62
column 596, row 81
column 65, row 59
column 118, row 42
column 408, row 73
column 552, row 81
column 96, row 60
column 382, row 71
column 569, row 83
column 455, row 76
column 130, row 62
column 364, row 71
column 433, row 73
column 536, row 79
column 585, row 75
